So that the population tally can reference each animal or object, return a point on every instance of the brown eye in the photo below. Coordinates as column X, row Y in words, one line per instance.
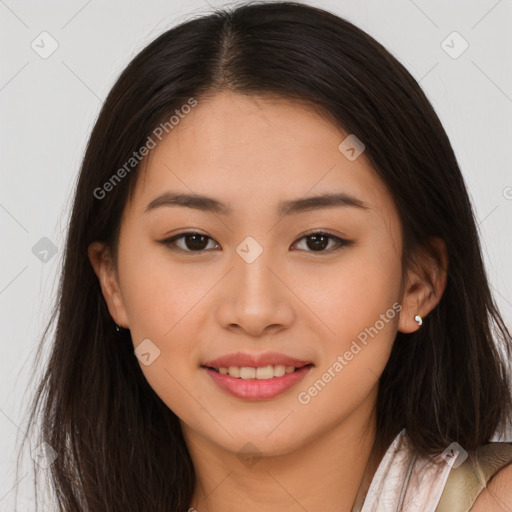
column 192, row 242
column 319, row 241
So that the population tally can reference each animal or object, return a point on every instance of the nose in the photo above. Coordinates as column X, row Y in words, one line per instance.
column 256, row 298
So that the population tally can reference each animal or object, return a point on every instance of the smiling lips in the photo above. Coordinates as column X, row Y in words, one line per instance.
column 256, row 377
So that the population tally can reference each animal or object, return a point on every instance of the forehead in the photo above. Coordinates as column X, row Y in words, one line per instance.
column 253, row 151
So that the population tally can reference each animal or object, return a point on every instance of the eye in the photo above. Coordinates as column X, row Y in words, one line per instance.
column 193, row 241
column 198, row 242
column 319, row 240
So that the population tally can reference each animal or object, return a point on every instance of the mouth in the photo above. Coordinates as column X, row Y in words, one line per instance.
column 257, row 383
column 257, row 373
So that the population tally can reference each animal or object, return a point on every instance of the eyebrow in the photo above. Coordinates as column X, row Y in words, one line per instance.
column 288, row 207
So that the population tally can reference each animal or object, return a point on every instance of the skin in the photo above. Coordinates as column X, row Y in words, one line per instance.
column 252, row 152
column 497, row 496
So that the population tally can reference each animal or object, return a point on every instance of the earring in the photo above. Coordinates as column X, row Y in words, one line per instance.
column 120, row 330
column 418, row 319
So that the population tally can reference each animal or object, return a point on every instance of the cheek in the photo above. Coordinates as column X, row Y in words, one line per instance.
column 352, row 294
column 162, row 307
column 358, row 306
column 157, row 292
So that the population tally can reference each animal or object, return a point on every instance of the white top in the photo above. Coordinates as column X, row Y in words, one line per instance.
column 405, row 481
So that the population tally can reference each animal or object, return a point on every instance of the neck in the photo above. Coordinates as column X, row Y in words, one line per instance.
column 325, row 474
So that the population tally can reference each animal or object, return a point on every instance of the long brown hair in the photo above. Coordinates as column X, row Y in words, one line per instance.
column 118, row 446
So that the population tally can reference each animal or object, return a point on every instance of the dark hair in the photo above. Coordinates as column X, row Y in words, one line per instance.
column 444, row 382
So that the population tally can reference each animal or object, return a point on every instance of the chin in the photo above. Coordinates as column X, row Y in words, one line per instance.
column 247, row 441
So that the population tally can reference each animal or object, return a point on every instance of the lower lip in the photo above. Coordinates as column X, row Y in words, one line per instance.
column 258, row 389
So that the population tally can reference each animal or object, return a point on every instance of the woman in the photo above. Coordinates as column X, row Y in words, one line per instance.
column 273, row 292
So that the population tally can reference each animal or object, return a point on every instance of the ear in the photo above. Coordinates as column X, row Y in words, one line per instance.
column 425, row 284
column 101, row 261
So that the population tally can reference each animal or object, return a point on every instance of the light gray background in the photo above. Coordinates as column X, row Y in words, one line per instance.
column 48, row 107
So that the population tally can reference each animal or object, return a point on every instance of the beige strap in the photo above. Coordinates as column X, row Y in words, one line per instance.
column 465, row 482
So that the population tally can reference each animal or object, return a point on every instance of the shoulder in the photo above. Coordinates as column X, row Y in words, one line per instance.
column 497, row 495
column 482, row 482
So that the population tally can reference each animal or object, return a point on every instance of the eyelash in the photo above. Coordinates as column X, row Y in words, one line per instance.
column 169, row 242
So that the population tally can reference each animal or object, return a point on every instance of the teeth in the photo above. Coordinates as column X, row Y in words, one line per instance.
column 234, row 371
column 247, row 373
column 260, row 373
column 279, row 370
column 264, row 372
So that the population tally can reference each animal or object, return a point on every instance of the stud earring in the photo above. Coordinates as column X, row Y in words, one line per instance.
column 120, row 330
column 418, row 319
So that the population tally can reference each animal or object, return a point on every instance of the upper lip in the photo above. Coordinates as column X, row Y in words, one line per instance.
column 241, row 359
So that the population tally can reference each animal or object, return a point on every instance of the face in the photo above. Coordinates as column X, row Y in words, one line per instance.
column 319, row 287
